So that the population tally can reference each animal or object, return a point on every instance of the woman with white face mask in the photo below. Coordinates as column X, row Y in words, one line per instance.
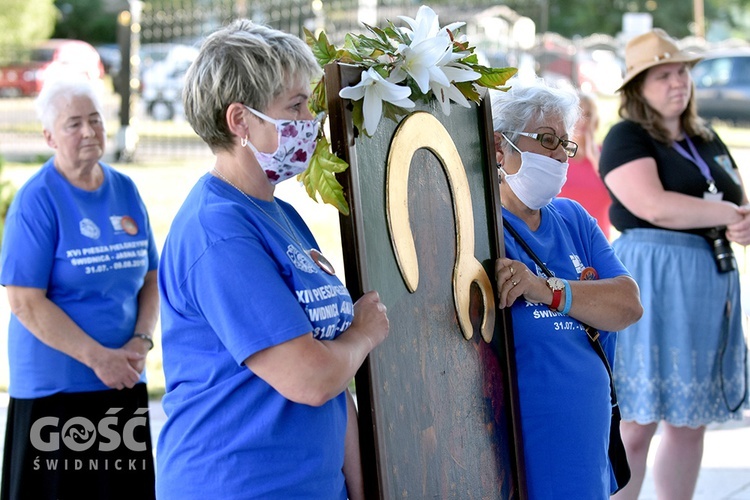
column 563, row 384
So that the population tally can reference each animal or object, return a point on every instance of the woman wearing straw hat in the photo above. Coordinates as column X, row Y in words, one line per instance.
column 678, row 201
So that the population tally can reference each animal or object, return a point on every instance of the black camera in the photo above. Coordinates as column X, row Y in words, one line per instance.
column 722, row 249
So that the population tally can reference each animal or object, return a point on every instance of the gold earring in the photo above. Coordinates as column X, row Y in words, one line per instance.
column 243, row 141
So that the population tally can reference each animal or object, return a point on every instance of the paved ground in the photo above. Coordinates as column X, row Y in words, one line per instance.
column 725, row 471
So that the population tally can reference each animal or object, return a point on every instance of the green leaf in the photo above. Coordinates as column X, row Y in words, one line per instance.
column 323, row 51
column 320, row 177
column 318, row 101
column 468, row 90
column 382, row 37
column 398, row 35
column 358, row 116
column 493, row 78
column 470, row 60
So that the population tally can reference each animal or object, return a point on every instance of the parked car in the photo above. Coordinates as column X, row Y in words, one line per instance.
column 162, row 82
column 722, row 85
column 52, row 58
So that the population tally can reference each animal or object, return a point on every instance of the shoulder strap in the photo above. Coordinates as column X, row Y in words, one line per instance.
column 591, row 333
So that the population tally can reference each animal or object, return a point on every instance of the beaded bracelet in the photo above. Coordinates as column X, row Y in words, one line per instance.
column 145, row 338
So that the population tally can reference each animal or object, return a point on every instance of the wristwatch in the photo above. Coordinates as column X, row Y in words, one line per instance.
column 556, row 285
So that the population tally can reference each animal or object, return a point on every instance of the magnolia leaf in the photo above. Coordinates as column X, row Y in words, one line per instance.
column 381, row 34
column 318, row 101
column 320, row 178
column 323, row 51
column 470, row 60
column 397, row 34
column 493, row 78
column 468, row 90
column 358, row 116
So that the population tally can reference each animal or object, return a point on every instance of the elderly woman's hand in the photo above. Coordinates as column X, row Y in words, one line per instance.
column 139, row 347
column 115, row 368
column 739, row 232
column 514, row 279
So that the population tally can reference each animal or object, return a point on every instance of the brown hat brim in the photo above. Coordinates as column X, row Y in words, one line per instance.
column 690, row 59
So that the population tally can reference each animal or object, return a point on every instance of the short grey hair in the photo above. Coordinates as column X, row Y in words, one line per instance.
column 243, row 62
column 533, row 101
column 60, row 91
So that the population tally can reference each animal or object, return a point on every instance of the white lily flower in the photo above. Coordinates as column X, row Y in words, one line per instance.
column 375, row 89
column 445, row 95
column 456, row 72
column 420, row 61
column 426, row 25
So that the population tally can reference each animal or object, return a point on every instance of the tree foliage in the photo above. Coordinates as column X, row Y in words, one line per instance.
column 86, row 20
column 584, row 17
column 25, row 22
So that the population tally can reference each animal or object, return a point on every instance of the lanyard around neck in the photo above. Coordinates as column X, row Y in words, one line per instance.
column 698, row 161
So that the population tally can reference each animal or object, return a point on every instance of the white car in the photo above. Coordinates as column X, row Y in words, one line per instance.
column 162, row 82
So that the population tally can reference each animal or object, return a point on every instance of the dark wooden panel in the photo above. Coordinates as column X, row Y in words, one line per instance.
column 437, row 410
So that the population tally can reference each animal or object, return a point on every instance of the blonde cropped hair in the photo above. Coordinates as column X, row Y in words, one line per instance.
column 243, row 62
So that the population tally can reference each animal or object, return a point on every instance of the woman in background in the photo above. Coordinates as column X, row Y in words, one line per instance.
column 584, row 183
column 79, row 264
column 678, row 201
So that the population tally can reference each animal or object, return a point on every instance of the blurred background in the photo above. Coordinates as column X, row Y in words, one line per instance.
column 139, row 52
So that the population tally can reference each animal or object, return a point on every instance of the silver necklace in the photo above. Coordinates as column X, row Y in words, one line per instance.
column 314, row 254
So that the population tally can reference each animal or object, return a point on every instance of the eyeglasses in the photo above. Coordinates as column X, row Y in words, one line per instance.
column 552, row 142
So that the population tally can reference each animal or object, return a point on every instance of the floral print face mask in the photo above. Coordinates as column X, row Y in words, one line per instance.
column 297, row 140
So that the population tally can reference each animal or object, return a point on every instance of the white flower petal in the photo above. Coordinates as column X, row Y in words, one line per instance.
column 397, row 75
column 459, row 74
column 390, row 92
column 404, row 103
column 354, row 93
column 451, row 27
column 424, row 26
column 372, row 110
column 445, row 95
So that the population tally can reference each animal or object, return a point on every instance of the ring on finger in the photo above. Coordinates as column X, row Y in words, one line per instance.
column 512, row 271
column 514, row 282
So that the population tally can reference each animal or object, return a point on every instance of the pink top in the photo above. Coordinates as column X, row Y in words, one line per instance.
column 586, row 187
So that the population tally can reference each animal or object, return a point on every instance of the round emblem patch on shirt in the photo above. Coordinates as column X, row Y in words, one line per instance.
column 589, row 273
column 129, row 225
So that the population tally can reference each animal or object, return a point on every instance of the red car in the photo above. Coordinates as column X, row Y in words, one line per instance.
column 53, row 57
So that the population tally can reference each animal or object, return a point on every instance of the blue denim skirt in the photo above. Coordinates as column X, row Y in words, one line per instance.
column 685, row 360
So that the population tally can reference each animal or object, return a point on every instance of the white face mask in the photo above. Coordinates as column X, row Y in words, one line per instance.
column 539, row 179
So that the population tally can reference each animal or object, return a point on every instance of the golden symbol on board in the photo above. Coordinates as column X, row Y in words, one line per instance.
column 417, row 131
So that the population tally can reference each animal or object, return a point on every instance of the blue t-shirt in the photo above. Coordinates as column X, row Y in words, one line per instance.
column 563, row 384
column 90, row 250
column 234, row 282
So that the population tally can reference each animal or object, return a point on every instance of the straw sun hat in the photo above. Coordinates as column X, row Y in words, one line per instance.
column 651, row 49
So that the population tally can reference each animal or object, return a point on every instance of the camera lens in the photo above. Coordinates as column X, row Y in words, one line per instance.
column 722, row 250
